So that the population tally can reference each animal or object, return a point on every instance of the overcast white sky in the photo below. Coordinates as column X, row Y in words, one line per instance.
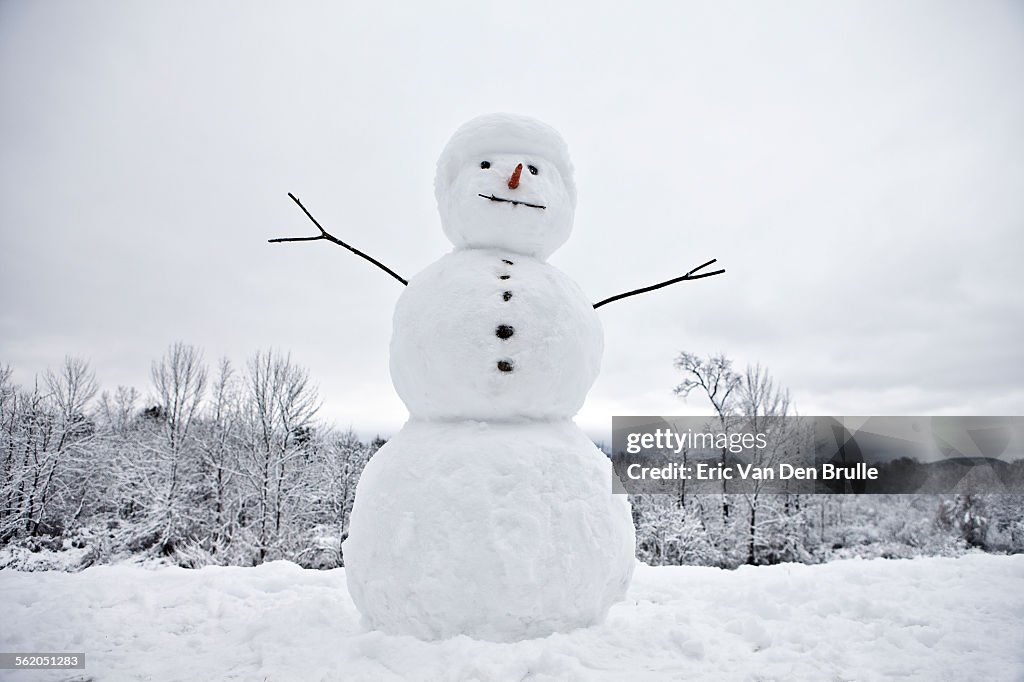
column 858, row 167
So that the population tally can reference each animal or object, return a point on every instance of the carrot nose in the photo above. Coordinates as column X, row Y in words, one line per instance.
column 513, row 182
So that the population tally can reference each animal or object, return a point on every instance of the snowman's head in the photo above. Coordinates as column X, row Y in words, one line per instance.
column 505, row 181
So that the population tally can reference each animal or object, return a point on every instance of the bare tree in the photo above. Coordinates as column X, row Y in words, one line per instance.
column 764, row 407
column 180, row 381
column 44, row 430
column 718, row 382
column 71, row 389
column 10, row 435
column 219, row 442
column 118, row 410
column 179, row 378
column 349, row 457
column 280, row 405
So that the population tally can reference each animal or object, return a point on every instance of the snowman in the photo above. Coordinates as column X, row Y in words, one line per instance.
column 490, row 513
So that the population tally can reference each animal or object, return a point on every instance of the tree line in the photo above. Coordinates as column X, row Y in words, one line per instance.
column 746, row 524
column 226, row 466
column 231, row 466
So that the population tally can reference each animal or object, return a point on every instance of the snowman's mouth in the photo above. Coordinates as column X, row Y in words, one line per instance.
column 510, row 201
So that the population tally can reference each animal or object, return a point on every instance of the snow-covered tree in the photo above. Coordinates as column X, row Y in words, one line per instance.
column 280, row 402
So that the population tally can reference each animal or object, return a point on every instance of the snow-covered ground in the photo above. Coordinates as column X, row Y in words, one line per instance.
column 922, row 619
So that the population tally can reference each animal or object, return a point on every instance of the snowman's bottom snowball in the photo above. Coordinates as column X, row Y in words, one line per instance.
column 496, row 531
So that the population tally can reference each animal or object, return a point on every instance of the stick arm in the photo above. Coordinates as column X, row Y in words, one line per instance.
column 327, row 236
column 691, row 275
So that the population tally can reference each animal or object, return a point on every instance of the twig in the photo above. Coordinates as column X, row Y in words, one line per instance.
column 691, row 275
column 510, row 201
column 324, row 234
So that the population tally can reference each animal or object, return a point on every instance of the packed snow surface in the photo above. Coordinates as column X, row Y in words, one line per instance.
column 920, row 619
column 497, row 531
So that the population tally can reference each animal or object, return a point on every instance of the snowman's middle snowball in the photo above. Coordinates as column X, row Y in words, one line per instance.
column 490, row 335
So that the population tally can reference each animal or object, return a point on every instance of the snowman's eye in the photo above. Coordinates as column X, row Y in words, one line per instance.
column 485, row 164
column 532, row 169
